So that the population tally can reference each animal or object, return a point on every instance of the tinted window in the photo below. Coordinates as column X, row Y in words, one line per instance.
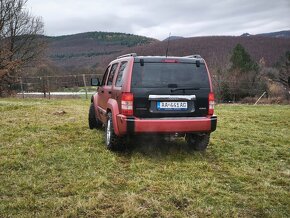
column 105, row 76
column 154, row 75
column 112, row 73
column 120, row 77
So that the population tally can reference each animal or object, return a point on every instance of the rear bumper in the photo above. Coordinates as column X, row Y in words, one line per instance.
column 133, row 125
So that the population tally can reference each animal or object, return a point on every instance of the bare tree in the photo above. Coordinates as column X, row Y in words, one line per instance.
column 284, row 70
column 21, row 41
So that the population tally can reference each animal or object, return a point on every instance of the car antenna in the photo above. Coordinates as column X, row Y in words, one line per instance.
column 168, row 44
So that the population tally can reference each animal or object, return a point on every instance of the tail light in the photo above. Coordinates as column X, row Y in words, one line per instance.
column 210, row 103
column 127, row 104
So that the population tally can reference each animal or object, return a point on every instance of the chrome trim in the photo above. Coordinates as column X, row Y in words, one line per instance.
column 127, row 55
column 193, row 56
column 172, row 97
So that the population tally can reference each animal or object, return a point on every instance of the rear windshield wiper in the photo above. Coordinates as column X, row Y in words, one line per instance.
column 183, row 89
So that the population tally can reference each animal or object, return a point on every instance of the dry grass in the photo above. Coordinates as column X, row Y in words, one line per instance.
column 52, row 165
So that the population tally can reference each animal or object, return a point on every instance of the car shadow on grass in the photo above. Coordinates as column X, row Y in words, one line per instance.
column 156, row 145
column 156, row 151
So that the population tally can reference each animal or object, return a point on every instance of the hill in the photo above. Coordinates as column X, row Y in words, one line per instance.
column 279, row 34
column 217, row 49
column 173, row 38
column 84, row 50
column 96, row 49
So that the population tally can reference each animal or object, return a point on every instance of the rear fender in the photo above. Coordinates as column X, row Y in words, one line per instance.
column 113, row 107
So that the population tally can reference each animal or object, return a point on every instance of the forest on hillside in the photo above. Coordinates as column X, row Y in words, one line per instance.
column 267, row 57
column 84, row 50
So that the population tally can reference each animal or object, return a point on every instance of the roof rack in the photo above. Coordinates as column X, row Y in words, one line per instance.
column 127, row 55
column 193, row 56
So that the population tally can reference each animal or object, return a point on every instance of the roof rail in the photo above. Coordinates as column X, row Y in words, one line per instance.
column 193, row 56
column 127, row 55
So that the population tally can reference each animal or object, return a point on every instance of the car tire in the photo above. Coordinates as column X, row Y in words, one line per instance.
column 113, row 142
column 94, row 123
column 198, row 142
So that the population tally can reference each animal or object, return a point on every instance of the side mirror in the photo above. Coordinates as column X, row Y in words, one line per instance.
column 95, row 82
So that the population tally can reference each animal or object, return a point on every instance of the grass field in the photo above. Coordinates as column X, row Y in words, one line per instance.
column 52, row 165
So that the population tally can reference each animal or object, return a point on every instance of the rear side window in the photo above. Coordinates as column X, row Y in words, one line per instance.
column 105, row 76
column 180, row 75
column 120, row 77
column 112, row 73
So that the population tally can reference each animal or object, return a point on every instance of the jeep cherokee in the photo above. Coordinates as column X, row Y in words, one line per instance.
column 155, row 94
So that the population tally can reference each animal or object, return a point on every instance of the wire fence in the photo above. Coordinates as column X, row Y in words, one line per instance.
column 80, row 85
column 49, row 86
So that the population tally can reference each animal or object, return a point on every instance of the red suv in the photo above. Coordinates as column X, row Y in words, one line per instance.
column 155, row 94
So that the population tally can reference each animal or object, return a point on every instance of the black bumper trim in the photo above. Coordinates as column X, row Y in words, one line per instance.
column 213, row 122
column 130, row 125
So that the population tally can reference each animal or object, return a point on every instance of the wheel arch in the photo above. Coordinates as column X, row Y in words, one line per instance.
column 114, row 109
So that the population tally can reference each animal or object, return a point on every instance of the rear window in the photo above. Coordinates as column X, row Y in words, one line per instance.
column 179, row 75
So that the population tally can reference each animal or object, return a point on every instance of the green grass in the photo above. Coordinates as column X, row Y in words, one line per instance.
column 52, row 165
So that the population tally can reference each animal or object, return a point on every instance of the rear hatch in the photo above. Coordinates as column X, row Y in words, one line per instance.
column 164, row 87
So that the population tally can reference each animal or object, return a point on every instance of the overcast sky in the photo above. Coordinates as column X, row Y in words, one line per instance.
column 158, row 18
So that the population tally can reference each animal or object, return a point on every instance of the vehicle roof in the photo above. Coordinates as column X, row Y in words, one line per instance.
column 188, row 59
column 156, row 59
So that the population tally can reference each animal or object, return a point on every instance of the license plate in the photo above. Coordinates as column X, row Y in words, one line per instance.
column 171, row 105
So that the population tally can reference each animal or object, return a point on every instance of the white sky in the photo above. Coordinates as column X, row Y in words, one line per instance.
column 157, row 18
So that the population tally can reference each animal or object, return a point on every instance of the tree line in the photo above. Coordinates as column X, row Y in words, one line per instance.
column 245, row 78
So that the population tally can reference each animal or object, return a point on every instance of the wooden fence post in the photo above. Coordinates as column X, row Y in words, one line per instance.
column 48, row 87
column 85, row 84
column 21, row 85
column 260, row 98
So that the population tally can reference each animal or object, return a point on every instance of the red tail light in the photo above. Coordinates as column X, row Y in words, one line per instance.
column 127, row 104
column 210, row 103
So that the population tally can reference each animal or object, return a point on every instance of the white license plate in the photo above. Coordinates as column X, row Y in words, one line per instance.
column 171, row 105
